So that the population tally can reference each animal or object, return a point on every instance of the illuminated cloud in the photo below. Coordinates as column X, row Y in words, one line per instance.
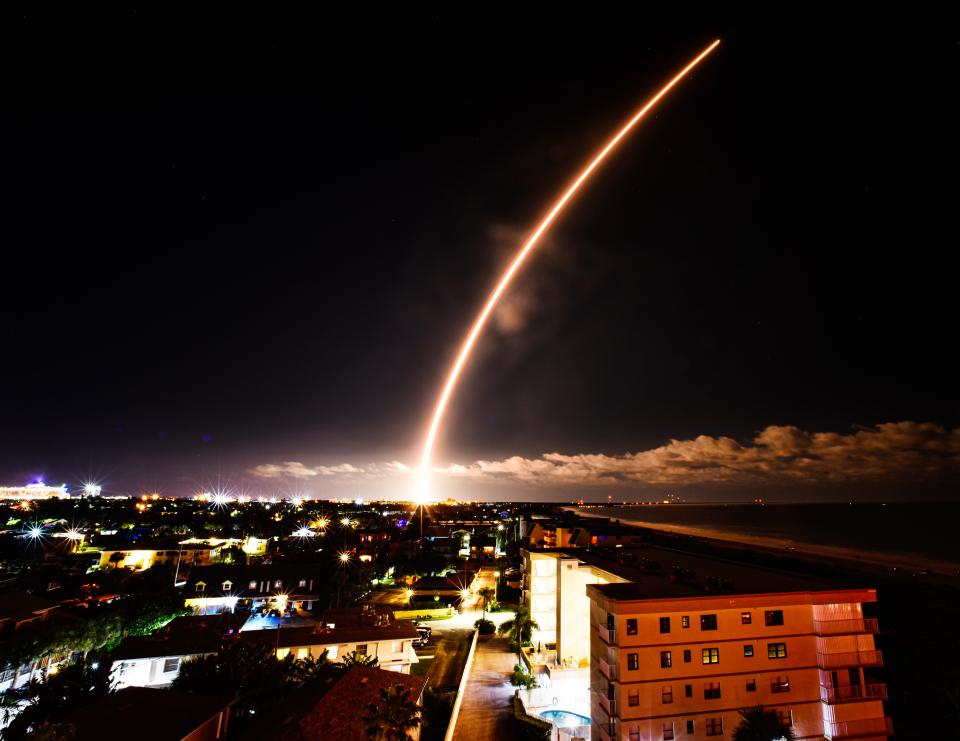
column 894, row 451
column 777, row 455
column 297, row 470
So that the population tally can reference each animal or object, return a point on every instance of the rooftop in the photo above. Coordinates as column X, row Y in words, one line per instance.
column 155, row 714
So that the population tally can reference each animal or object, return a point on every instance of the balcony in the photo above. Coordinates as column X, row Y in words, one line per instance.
column 849, row 659
column 859, row 728
column 607, row 669
column 609, row 636
column 833, row 695
column 845, row 627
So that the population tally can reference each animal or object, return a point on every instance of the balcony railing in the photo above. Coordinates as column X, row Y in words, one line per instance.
column 608, row 635
column 875, row 691
column 858, row 728
column 845, row 627
column 607, row 669
column 851, row 659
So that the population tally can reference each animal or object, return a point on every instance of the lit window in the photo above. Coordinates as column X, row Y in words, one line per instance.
column 396, row 647
column 773, row 617
column 714, row 726
column 277, row 584
column 664, row 625
column 631, row 626
column 633, row 662
column 201, row 586
column 685, row 621
column 303, row 583
column 711, row 655
column 748, row 650
column 227, row 585
column 708, row 622
column 253, row 585
column 711, row 691
column 746, row 618
column 303, row 653
column 776, row 650
column 666, row 660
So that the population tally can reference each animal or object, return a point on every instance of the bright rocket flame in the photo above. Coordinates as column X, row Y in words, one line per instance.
column 421, row 492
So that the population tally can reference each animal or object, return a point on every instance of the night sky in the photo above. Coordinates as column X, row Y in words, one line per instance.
column 229, row 249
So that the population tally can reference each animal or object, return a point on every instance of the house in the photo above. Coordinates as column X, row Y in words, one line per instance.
column 276, row 586
column 154, row 660
column 140, row 555
column 151, row 715
column 22, row 611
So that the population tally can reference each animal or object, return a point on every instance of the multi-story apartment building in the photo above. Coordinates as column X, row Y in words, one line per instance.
column 667, row 665
column 554, row 590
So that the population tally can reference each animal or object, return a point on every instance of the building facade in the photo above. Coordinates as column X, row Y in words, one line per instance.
column 682, row 667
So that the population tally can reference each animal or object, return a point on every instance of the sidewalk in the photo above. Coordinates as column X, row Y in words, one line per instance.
column 487, row 709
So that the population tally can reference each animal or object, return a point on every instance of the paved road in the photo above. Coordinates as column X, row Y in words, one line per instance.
column 396, row 597
column 487, row 709
column 448, row 646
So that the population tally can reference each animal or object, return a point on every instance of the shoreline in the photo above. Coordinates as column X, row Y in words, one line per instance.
column 795, row 548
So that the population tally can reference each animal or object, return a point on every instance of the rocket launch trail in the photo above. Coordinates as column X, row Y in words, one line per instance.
column 524, row 251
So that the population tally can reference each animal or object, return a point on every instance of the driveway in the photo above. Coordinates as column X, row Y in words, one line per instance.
column 487, row 708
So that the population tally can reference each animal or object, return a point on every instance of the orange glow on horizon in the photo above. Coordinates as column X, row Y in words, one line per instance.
column 421, row 493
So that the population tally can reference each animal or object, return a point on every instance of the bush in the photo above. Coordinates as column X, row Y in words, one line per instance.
column 485, row 627
column 522, row 678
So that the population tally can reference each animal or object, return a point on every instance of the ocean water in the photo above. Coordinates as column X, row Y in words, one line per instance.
column 930, row 530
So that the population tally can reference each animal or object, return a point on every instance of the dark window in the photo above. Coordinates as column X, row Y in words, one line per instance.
column 746, row 618
column 668, row 732
column 609, row 621
column 689, row 726
column 708, row 622
column 631, row 626
column 633, row 661
column 711, row 656
column 714, row 726
column 666, row 661
column 780, row 684
column 688, row 690
column 664, row 625
column 171, row 665
column 776, row 650
column 666, row 695
column 686, row 656
column 361, row 649
column 685, row 621
column 773, row 617
column 711, row 691
column 633, row 697
column 786, row 717
column 751, row 685
column 748, row 650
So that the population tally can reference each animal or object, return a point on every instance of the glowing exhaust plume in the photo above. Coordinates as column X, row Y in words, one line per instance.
column 527, row 247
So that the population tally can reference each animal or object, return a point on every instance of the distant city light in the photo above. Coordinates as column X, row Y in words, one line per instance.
column 73, row 535
column 95, row 665
column 92, row 489
column 344, row 557
column 345, row 522
column 322, row 523
column 35, row 532
column 303, row 532
column 296, row 502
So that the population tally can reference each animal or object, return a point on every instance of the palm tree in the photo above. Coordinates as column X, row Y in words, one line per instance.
column 521, row 628
column 355, row 659
column 393, row 717
column 487, row 594
column 760, row 724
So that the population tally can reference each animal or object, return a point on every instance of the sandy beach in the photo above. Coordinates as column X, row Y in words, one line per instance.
column 815, row 551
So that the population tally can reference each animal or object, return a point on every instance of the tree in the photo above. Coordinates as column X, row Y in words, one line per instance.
column 40, row 705
column 488, row 595
column 520, row 629
column 116, row 558
column 760, row 724
column 393, row 717
column 355, row 659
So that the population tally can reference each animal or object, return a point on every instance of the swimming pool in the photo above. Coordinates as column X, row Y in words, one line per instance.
column 565, row 719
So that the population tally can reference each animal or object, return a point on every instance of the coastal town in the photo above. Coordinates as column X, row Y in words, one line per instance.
column 220, row 616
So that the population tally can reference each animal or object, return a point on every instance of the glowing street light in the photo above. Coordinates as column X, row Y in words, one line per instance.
column 322, row 523
column 35, row 532
column 346, row 522
column 408, row 593
column 344, row 557
column 92, row 489
column 296, row 502
column 303, row 532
